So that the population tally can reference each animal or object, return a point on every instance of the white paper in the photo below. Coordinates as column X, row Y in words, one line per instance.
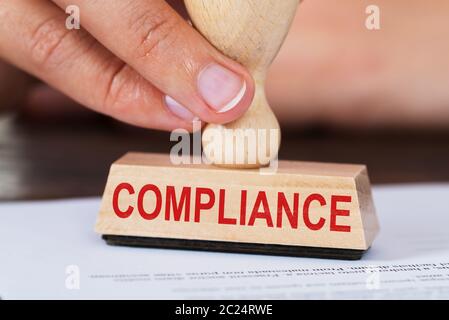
column 49, row 250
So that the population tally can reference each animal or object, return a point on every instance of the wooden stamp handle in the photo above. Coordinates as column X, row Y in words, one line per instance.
column 250, row 32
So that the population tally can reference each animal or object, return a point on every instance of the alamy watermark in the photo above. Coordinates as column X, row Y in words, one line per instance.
column 72, row 280
column 372, row 21
column 73, row 20
column 373, row 278
column 241, row 147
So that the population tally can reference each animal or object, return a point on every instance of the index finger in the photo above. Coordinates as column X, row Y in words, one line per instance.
column 152, row 38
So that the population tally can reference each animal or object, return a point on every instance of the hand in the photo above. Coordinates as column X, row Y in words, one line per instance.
column 136, row 60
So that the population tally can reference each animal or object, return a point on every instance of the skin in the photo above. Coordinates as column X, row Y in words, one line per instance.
column 96, row 66
column 331, row 70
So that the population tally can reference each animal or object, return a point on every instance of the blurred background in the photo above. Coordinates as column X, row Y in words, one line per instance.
column 342, row 92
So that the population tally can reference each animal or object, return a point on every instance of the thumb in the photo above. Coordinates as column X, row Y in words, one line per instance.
column 192, row 76
column 225, row 87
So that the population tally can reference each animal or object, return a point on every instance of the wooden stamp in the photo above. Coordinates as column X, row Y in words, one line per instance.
column 303, row 209
column 250, row 32
column 311, row 209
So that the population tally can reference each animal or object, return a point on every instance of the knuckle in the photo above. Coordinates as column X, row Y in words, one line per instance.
column 48, row 43
column 115, row 88
column 127, row 96
column 124, row 88
column 156, row 33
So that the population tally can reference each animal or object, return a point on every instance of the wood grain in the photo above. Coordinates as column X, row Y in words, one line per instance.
column 250, row 32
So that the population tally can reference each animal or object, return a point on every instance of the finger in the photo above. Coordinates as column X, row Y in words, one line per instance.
column 152, row 38
column 34, row 37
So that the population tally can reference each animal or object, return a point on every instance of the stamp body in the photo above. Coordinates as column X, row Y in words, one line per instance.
column 303, row 204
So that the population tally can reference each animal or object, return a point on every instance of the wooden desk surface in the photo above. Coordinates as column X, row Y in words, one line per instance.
column 71, row 158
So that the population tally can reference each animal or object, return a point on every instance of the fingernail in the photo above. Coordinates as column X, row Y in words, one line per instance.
column 221, row 88
column 178, row 109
